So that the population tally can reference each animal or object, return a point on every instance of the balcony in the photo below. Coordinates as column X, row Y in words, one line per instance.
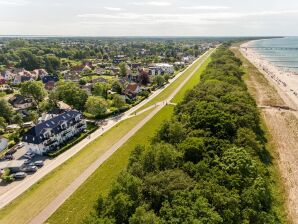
column 50, row 142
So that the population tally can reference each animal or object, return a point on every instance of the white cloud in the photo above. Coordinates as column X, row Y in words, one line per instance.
column 113, row 9
column 153, row 3
column 13, row 3
column 184, row 18
column 205, row 7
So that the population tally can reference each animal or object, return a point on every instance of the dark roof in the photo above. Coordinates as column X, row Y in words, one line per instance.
column 48, row 78
column 25, row 78
column 19, row 99
column 35, row 134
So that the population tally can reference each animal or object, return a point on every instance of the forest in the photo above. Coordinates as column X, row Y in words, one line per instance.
column 208, row 164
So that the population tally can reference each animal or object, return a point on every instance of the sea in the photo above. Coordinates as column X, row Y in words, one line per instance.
column 282, row 52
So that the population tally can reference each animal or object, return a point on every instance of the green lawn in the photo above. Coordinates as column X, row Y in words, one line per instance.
column 82, row 202
column 193, row 81
column 169, row 90
column 30, row 203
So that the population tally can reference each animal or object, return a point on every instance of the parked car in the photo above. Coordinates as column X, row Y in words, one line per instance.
column 30, row 169
column 27, row 157
column 11, row 151
column 27, row 161
column 9, row 157
column 31, row 154
column 20, row 145
column 20, row 175
column 39, row 163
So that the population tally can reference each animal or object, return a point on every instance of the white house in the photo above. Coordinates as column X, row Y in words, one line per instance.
column 167, row 68
column 50, row 134
column 8, row 75
column 3, row 143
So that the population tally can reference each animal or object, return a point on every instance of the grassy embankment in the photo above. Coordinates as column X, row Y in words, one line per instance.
column 168, row 91
column 252, row 74
column 30, row 203
column 82, row 202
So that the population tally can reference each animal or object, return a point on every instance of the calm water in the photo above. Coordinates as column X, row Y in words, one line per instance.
column 283, row 52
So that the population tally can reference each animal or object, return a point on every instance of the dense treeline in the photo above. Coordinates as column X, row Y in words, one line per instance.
column 207, row 165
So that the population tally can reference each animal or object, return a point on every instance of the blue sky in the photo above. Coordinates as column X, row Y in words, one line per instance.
column 149, row 17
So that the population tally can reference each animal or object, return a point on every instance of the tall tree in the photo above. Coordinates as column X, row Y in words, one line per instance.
column 6, row 111
column 34, row 90
column 70, row 93
column 96, row 106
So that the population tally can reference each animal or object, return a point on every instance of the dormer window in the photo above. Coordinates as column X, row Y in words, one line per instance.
column 63, row 126
column 47, row 135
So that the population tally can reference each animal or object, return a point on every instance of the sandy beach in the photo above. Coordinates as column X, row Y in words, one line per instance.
column 286, row 81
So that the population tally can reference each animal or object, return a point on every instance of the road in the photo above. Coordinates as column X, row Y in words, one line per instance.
column 62, row 197
column 10, row 195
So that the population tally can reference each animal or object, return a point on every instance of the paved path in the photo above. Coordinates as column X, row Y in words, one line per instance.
column 62, row 197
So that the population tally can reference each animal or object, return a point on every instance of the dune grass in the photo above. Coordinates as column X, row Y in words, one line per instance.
column 36, row 198
column 82, row 202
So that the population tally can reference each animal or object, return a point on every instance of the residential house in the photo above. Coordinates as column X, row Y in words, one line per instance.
column 119, row 58
column 133, row 77
column 134, row 65
column 99, row 71
column 155, row 71
column 100, row 79
column 167, row 68
column 50, row 134
column 71, row 76
column 7, row 75
column 2, row 80
column 3, row 143
column 49, row 78
column 22, row 75
column 132, row 90
column 19, row 102
column 40, row 73
column 50, row 85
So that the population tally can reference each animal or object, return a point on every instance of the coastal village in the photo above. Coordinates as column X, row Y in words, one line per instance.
column 47, row 109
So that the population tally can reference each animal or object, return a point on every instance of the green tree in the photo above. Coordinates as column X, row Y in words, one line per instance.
column 18, row 119
column 34, row 90
column 30, row 61
column 142, row 216
column 123, row 70
column 6, row 111
column 52, row 64
column 33, row 116
column 118, row 101
column 117, row 87
column 159, row 80
column 96, row 106
column 3, row 123
column 70, row 93
column 100, row 89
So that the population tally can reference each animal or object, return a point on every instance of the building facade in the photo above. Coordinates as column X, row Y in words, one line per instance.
column 50, row 134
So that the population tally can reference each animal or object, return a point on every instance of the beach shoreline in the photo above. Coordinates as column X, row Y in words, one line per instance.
column 285, row 81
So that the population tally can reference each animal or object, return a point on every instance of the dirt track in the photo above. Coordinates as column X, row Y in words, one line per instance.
column 282, row 124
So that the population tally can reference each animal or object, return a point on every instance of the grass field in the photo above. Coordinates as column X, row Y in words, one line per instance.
column 29, row 204
column 82, row 202
column 169, row 90
column 194, row 80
